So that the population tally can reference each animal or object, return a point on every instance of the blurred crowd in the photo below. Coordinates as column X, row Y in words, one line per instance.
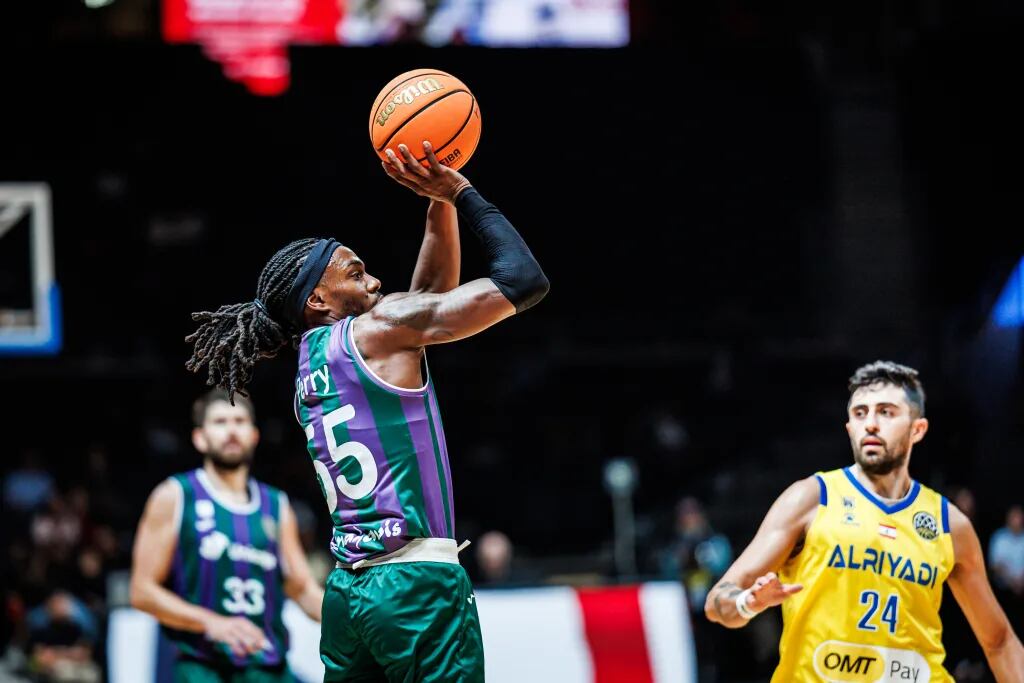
column 65, row 535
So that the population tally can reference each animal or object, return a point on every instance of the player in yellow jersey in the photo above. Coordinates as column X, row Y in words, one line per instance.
column 857, row 558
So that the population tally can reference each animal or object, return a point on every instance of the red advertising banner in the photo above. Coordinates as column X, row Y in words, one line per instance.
column 250, row 38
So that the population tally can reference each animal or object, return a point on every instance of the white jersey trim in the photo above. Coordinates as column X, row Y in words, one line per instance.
column 244, row 509
column 402, row 391
column 417, row 550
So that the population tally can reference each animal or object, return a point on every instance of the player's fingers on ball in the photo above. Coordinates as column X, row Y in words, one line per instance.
column 395, row 161
column 411, row 164
column 428, row 149
column 395, row 174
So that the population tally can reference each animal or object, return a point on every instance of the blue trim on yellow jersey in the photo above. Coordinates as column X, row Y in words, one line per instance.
column 915, row 488
column 945, row 515
column 823, row 496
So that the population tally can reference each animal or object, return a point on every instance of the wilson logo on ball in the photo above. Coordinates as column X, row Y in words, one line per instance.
column 407, row 96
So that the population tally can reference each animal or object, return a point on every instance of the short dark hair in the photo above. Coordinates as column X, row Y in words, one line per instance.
column 203, row 403
column 887, row 372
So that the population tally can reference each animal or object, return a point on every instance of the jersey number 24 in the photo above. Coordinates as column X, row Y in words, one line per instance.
column 890, row 612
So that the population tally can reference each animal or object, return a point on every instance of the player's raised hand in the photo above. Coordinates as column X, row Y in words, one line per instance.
column 768, row 591
column 238, row 633
column 437, row 181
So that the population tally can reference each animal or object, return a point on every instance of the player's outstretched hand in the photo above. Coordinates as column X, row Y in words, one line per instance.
column 437, row 182
column 768, row 591
column 238, row 633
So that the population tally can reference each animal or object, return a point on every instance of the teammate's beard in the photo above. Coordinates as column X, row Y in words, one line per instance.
column 229, row 463
column 893, row 457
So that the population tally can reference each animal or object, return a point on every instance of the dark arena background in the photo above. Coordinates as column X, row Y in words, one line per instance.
column 737, row 204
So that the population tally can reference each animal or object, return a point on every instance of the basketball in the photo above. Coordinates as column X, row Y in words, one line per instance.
column 426, row 104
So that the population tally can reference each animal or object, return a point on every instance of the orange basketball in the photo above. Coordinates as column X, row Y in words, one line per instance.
column 426, row 104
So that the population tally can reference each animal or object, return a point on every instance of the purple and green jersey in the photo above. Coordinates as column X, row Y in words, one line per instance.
column 378, row 450
column 228, row 561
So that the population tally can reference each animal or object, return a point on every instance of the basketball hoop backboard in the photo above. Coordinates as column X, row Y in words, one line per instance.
column 30, row 312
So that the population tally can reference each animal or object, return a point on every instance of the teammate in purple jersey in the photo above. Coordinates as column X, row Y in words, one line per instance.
column 398, row 607
column 216, row 552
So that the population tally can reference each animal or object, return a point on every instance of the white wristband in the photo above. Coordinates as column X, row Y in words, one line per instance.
column 743, row 608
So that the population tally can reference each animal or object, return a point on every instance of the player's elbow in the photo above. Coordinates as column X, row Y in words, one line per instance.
column 520, row 279
column 538, row 288
column 139, row 594
column 531, row 286
column 997, row 641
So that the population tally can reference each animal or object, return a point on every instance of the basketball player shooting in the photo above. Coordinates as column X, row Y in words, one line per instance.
column 857, row 558
column 398, row 607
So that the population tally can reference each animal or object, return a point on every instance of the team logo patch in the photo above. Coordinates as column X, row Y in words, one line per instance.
column 204, row 508
column 269, row 527
column 213, row 545
column 848, row 517
column 926, row 526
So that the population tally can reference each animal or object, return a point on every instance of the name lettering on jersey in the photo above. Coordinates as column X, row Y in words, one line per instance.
column 855, row 663
column 317, row 380
column 214, row 545
column 387, row 530
column 883, row 563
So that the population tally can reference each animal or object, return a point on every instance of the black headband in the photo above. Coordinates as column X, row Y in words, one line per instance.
column 309, row 275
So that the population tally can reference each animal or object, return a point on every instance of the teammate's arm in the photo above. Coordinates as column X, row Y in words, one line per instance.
column 516, row 280
column 155, row 542
column 972, row 591
column 299, row 584
column 439, row 264
column 752, row 575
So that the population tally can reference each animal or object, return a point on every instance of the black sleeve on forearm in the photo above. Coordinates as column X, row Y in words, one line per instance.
column 513, row 269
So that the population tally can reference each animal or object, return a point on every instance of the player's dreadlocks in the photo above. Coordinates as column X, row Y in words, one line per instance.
column 231, row 339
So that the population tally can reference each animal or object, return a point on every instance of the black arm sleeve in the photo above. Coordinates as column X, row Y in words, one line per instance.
column 513, row 269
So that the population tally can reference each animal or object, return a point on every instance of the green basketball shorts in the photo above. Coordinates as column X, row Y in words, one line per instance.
column 400, row 623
